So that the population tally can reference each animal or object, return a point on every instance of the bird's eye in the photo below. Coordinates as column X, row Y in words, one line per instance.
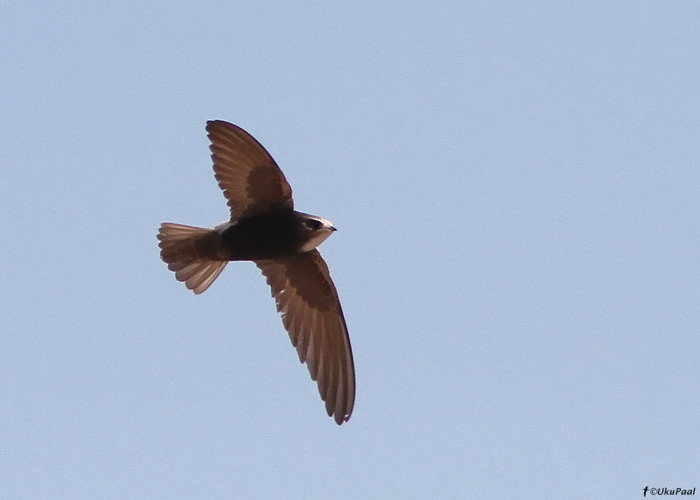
column 312, row 224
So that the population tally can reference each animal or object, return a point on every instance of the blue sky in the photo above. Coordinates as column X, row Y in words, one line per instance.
column 517, row 192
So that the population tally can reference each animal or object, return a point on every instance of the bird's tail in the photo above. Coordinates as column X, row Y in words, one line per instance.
column 193, row 253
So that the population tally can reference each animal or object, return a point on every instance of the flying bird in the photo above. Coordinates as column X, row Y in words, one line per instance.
column 265, row 228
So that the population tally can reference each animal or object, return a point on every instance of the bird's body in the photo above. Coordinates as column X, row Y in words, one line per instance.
column 266, row 236
column 265, row 228
column 262, row 237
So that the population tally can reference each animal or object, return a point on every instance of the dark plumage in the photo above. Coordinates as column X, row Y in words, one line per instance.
column 265, row 228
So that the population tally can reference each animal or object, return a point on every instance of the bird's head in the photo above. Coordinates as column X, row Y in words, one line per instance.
column 316, row 229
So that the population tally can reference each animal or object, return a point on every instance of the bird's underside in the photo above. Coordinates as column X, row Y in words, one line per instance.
column 265, row 229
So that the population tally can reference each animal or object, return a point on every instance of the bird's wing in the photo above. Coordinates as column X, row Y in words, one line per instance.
column 249, row 177
column 311, row 313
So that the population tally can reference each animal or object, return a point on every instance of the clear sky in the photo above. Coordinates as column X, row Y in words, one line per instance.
column 517, row 192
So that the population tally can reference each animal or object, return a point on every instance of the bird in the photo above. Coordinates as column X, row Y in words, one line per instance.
column 264, row 228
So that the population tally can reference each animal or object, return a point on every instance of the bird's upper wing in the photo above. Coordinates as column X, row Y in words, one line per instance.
column 251, row 180
column 311, row 313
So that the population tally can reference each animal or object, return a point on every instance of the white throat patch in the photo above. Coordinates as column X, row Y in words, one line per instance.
column 316, row 240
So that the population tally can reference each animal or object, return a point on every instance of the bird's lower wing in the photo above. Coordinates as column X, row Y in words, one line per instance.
column 308, row 301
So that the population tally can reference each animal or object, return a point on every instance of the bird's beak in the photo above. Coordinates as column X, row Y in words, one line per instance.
column 332, row 228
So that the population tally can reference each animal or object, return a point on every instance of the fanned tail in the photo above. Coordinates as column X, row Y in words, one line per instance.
column 192, row 253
